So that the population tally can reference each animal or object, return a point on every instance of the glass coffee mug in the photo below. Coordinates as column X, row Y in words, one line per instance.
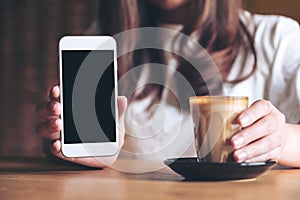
column 215, row 122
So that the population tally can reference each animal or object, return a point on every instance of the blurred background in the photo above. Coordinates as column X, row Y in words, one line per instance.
column 29, row 35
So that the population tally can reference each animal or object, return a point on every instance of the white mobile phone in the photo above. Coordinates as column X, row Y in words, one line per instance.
column 88, row 86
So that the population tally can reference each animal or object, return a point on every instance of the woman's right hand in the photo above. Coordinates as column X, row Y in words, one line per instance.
column 50, row 129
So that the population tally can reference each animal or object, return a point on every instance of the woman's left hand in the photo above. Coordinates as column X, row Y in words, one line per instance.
column 263, row 133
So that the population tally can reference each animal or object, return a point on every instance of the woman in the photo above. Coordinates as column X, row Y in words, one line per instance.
column 256, row 56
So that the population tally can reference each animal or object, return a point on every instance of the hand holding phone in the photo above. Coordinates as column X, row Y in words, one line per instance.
column 51, row 131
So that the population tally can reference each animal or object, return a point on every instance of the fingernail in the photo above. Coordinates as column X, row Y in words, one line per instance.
column 241, row 156
column 238, row 142
column 55, row 89
column 245, row 119
column 55, row 148
column 53, row 106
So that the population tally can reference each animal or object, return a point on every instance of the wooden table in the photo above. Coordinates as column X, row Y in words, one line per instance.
column 37, row 178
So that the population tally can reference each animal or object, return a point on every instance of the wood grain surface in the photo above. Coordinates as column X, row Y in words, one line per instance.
column 37, row 178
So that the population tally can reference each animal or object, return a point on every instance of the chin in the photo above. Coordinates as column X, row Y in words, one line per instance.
column 169, row 4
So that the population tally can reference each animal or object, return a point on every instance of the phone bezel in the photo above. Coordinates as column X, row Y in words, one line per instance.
column 88, row 43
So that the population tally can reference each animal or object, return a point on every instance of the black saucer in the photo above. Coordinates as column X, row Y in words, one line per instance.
column 191, row 169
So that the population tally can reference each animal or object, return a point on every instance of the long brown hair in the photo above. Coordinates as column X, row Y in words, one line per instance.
column 216, row 23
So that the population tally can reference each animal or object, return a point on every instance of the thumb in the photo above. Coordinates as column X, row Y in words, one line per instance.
column 122, row 105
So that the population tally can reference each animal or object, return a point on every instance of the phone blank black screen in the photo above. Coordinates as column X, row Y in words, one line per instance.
column 99, row 104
